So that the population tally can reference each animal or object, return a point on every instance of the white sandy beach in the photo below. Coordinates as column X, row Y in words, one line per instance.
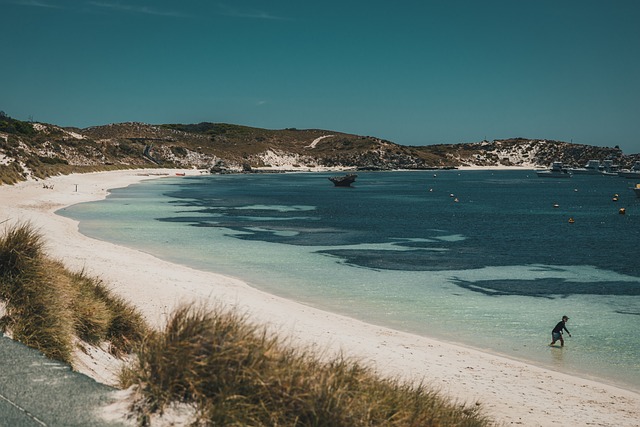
column 510, row 391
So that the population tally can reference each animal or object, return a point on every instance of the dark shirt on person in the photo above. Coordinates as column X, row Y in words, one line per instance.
column 559, row 327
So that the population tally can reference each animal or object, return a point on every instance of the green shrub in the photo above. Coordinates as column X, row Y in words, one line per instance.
column 9, row 125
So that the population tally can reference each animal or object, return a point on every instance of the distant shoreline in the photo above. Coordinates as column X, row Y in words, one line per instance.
column 510, row 391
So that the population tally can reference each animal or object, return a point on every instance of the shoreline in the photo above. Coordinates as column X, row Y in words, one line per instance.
column 510, row 391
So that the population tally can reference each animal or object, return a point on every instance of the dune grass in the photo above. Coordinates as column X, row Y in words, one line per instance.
column 232, row 372
column 48, row 307
column 236, row 374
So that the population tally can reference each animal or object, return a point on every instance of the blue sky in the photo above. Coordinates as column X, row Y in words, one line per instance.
column 413, row 72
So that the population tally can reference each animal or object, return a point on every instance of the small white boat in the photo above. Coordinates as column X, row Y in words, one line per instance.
column 608, row 168
column 591, row 168
column 556, row 171
column 634, row 172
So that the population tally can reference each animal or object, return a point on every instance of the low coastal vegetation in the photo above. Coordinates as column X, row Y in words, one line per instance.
column 236, row 374
column 30, row 150
column 228, row 370
column 52, row 309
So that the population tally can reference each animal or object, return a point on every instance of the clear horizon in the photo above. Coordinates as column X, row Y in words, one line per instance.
column 415, row 73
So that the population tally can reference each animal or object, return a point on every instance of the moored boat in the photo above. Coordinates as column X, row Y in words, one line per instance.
column 556, row 171
column 636, row 189
column 634, row 172
column 343, row 181
column 608, row 168
column 591, row 168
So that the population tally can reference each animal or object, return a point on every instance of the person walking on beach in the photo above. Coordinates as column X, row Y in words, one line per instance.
column 556, row 334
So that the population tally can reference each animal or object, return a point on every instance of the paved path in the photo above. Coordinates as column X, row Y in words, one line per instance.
column 36, row 391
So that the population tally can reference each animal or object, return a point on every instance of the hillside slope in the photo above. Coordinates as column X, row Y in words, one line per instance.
column 38, row 150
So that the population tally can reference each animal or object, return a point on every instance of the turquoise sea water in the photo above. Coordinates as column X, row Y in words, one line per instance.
column 482, row 258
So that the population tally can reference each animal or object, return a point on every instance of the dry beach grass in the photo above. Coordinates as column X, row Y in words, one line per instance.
column 48, row 307
column 237, row 374
column 230, row 371
column 509, row 391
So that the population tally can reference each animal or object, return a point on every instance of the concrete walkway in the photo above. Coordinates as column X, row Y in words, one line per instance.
column 36, row 391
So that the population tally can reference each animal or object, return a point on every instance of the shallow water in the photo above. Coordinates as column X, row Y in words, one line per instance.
column 481, row 258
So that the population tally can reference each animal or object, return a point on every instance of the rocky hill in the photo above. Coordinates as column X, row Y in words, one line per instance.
column 38, row 150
